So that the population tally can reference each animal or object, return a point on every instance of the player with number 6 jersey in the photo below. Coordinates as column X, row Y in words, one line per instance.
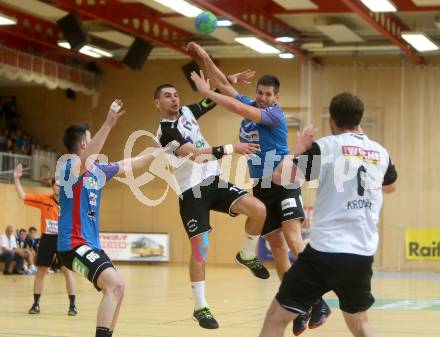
column 353, row 173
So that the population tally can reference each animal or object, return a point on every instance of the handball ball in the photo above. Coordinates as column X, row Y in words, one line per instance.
column 206, row 22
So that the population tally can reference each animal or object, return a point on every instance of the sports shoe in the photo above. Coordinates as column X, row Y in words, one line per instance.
column 254, row 265
column 35, row 309
column 30, row 271
column 320, row 312
column 300, row 323
column 205, row 318
column 73, row 311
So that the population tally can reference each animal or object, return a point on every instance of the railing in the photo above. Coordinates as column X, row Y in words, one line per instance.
column 8, row 161
column 39, row 166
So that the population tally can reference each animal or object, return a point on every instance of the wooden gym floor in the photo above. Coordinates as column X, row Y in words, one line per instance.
column 158, row 304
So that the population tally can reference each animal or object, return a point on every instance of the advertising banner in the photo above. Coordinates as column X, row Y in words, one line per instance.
column 422, row 244
column 136, row 246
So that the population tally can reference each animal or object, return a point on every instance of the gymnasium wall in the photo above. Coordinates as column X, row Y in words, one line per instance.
column 401, row 112
column 13, row 211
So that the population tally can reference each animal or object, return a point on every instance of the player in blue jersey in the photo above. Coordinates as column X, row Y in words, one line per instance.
column 81, row 181
column 264, row 124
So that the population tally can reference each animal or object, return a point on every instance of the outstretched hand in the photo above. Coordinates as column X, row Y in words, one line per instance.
column 246, row 148
column 201, row 83
column 114, row 112
column 196, row 50
column 18, row 171
column 242, row 77
column 304, row 140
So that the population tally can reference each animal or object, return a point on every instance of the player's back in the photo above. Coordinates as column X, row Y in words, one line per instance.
column 347, row 210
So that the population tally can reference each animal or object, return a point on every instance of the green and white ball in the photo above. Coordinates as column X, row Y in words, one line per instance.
column 206, row 22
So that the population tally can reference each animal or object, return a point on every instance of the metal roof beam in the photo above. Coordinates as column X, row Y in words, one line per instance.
column 389, row 25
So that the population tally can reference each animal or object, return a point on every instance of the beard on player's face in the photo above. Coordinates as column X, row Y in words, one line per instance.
column 265, row 96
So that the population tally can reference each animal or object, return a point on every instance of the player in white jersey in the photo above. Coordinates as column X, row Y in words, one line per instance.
column 197, row 173
column 353, row 173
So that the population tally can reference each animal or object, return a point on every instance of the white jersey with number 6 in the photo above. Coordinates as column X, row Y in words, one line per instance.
column 352, row 171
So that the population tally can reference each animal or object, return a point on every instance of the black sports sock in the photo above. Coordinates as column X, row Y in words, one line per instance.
column 72, row 300
column 101, row 331
column 37, row 298
column 110, row 334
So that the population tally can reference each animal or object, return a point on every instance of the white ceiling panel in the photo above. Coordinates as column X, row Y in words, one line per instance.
column 339, row 33
column 36, row 8
column 153, row 4
column 296, row 4
column 425, row 3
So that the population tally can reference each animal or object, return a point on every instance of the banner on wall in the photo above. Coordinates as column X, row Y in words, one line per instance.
column 422, row 244
column 264, row 251
column 136, row 246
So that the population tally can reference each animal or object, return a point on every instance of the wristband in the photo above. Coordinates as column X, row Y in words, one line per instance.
column 218, row 152
column 229, row 149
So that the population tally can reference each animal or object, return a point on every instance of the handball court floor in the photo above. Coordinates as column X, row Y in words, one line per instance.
column 158, row 304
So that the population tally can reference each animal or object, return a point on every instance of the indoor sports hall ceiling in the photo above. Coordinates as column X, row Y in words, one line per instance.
column 319, row 27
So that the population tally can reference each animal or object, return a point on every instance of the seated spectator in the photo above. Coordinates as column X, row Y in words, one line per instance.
column 27, row 254
column 32, row 241
column 8, row 246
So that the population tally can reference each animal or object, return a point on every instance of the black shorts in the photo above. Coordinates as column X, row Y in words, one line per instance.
column 282, row 204
column 47, row 250
column 87, row 261
column 316, row 273
column 196, row 203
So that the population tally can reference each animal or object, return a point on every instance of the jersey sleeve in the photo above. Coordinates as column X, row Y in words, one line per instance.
column 35, row 200
column 201, row 108
column 309, row 163
column 390, row 175
column 169, row 134
column 110, row 170
column 245, row 100
column 271, row 116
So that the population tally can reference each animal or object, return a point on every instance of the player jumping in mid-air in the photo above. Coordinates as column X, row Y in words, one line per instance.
column 353, row 173
column 264, row 124
column 202, row 190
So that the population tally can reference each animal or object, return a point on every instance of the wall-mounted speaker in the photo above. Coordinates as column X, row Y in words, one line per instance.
column 137, row 54
column 74, row 31
column 188, row 69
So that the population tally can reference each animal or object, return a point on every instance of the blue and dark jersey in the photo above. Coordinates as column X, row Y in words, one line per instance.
column 79, row 205
column 270, row 133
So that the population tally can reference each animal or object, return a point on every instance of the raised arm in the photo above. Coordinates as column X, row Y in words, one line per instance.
column 229, row 103
column 285, row 173
column 214, row 73
column 18, row 171
column 97, row 142
column 144, row 159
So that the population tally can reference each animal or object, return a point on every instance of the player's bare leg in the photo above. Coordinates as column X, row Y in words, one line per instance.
column 112, row 287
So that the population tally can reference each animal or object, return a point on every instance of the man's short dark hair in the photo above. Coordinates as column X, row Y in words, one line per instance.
column 73, row 136
column 270, row 81
column 32, row 229
column 346, row 110
column 159, row 89
column 22, row 230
